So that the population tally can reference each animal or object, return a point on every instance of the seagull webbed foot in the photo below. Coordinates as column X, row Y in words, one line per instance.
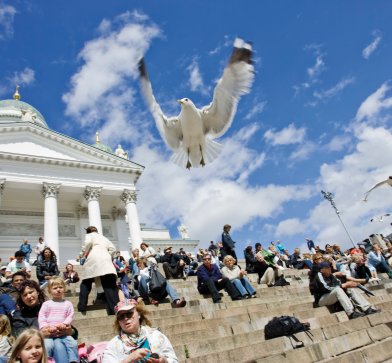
column 188, row 165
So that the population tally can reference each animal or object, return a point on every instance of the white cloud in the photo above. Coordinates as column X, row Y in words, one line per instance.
column 375, row 104
column 257, row 108
column 335, row 90
column 318, row 68
column 7, row 13
column 195, row 79
column 100, row 94
column 25, row 77
column 289, row 227
column 304, row 151
column 288, row 135
column 370, row 48
column 338, row 143
column 226, row 43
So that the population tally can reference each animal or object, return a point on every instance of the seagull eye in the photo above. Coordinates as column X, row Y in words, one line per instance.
column 186, row 100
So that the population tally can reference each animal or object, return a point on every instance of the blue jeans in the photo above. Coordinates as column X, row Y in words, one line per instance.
column 63, row 349
column 243, row 286
column 143, row 289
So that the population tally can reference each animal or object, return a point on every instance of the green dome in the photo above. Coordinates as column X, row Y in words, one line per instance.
column 103, row 147
column 16, row 110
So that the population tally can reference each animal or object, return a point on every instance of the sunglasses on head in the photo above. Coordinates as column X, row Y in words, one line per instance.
column 127, row 315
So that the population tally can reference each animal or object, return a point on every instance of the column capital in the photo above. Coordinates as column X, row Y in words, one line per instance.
column 92, row 193
column 129, row 196
column 50, row 189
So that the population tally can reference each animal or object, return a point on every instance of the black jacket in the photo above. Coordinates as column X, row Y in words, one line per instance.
column 172, row 259
column 46, row 269
column 324, row 285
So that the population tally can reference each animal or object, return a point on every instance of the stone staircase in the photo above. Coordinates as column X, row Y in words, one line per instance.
column 233, row 331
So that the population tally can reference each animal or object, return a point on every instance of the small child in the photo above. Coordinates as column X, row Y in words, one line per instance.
column 57, row 315
column 6, row 339
column 29, row 348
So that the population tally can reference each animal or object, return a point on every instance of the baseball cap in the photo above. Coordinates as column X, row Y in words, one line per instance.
column 125, row 305
column 324, row 265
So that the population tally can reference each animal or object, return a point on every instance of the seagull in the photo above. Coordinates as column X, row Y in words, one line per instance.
column 387, row 181
column 190, row 134
column 380, row 219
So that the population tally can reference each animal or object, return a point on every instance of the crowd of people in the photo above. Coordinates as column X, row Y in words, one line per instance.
column 34, row 327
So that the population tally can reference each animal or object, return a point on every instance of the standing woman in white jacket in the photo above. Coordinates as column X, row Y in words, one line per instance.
column 98, row 251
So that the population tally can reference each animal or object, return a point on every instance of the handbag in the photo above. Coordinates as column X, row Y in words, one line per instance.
column 157, row 284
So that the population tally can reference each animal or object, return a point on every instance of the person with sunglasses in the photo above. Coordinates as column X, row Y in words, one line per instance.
column 136, row 340
column 210, row 281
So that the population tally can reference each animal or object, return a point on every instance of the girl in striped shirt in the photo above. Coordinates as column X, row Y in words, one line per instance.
column 57, row 315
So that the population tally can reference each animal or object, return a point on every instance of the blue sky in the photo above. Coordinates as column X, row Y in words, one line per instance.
column 318, row 115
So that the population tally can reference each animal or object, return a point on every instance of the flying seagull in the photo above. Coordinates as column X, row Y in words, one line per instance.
column 387, row 181
column 381, row 218
column 190, row 134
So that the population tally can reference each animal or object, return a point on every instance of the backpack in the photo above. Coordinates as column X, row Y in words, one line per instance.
column 284, row 326
column 157, row 284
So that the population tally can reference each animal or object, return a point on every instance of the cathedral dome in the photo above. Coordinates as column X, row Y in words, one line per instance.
column 17, row 110
column 101, row 146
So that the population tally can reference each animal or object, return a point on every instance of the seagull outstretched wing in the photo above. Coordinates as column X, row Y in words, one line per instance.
column 236, row 81
column 387, row 181
column 169, row 127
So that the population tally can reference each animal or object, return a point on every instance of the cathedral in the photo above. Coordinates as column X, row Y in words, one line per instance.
column 54, row 186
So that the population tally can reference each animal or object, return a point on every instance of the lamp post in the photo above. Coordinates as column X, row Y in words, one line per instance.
column 329, row 196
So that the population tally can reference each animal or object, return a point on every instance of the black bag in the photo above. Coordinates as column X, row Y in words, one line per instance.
column 284, row 326
column 281, row 281
column 157, row 284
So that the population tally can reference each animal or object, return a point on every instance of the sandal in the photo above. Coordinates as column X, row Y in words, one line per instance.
column 179, row 303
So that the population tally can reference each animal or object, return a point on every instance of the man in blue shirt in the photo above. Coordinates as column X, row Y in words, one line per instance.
column 210, row 281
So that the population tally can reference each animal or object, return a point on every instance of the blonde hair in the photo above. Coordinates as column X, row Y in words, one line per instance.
column 141, row 260
column 227, row 258
column 5, row 328
column 55, row 281
column 21, row 342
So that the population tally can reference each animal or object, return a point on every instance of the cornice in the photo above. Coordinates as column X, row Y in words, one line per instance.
column 117, row 164
column 69, row 141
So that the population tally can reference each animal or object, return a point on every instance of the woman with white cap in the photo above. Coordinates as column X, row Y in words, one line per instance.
column 136, row 340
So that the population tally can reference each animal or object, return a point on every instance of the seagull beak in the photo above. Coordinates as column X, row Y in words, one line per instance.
column 180, row 102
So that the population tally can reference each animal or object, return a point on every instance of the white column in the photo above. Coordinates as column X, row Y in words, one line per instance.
column 92, row 195
column 51, row 222
column 2, row 185
column 129, row 197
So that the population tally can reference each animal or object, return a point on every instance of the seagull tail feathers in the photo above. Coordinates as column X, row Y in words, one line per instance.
column 211, row 151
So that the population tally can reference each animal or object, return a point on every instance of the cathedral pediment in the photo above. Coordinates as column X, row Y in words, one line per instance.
column 33, row 141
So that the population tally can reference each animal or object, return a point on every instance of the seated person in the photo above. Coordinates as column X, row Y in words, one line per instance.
column 172, row 264
column 47, row 266
column 298, row 262
column 18, row 264
column 250, row 260
column 238, row 277
column 13, row 289
column 144, row 277
column 328, row 290
column 136, row 340
column 69, row 275
column 210, row 281
column 378, row 262
column 360, row 270
column 268, row 272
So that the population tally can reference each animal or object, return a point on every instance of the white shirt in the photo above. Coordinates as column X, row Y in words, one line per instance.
column 15, row 266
